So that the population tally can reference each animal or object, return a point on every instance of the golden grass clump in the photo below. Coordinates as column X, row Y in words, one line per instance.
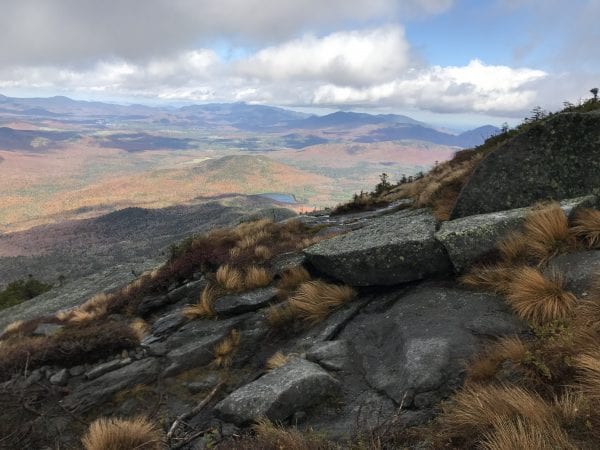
column 93, row 309
column 257, row 277
column 272, row 437
column 140, row 327
column 588, row 374
column 477, row 408
column 225, row 350
column 547, row 231
column 263, row 252
column 230, row 278
column 539, row 299
column 586, row 226
column 123, row 434
column 314, row 300
column 280, row 315
column 485, row 366
column 14, row 328
column 513, row 248
column 204, row 307
column 278, row 359
column 519, row 433
column 292, row 278
column 495, row 278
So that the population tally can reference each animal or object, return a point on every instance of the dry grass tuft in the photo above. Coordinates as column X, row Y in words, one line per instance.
column 494, row 278
column 477, row 408
column 547, row 231
column 140, row 327
column 586, row 226
column 262, row 252
column 123, row 434
column 513, row 248
column 268, row 436
column 588, row 368
column 72, row 346
column 204, row 307
column 15, row 328
column 485, row 366
column 226, row 349
column 539, row 299
column 292, row 278
column 519, row 433
column 94, row 309
column 280, row 315
column 314, row 300
column 229, row 278
column 257, row 277
column 571, row 407
column 277, row 360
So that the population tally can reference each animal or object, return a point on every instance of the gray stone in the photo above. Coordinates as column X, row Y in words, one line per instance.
column 76, row 371
column 233, row 304
column 554, row 159
column 468, row 239
column 157, row 349
column 60, row 378
column 47, row 329
column 579, row 269
column 166, row 324
column 280, row 393
column 286, row 261
column 191, row 291
column 107, row 367
column 206, row 383
column 392, row 249
column 34, row 377
column 332, row 355
column 193, row 344
column 415, row 350
column 102, row 388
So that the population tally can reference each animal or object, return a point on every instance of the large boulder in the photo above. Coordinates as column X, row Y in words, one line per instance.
column 389, row 250
column 581, row 270
column 470, row 238
column 414, row 349
column 297, row 385
column 555, row 159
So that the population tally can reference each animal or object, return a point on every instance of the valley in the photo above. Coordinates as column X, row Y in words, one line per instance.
column 62, row 159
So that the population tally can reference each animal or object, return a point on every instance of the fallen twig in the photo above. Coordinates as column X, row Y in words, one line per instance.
column 195, row 410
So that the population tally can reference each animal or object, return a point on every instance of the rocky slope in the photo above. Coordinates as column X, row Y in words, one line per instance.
column 272, row 334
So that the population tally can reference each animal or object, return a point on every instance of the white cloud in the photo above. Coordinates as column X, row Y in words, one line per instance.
column 80, row 31
column 345, row 58
column 368, row 68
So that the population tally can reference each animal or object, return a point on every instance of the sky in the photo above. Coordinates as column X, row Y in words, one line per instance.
column 444, row 61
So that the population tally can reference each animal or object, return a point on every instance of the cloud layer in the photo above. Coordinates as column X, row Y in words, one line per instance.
column 372, row 67
column 335, row 53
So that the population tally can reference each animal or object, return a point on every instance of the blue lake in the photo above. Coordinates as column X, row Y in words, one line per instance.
column 279, row 197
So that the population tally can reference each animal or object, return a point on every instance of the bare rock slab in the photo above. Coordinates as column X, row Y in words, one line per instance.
column 102, row 388
column 470, row 238
column 555, row 159
column 234, row 304
column 277, row 395
column 391, row 249
column 415, row 351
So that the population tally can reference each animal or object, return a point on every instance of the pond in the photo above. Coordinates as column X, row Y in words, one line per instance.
column 279, row 197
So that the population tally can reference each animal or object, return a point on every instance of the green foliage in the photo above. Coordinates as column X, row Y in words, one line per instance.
column 383, row 184
column 22, row 290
